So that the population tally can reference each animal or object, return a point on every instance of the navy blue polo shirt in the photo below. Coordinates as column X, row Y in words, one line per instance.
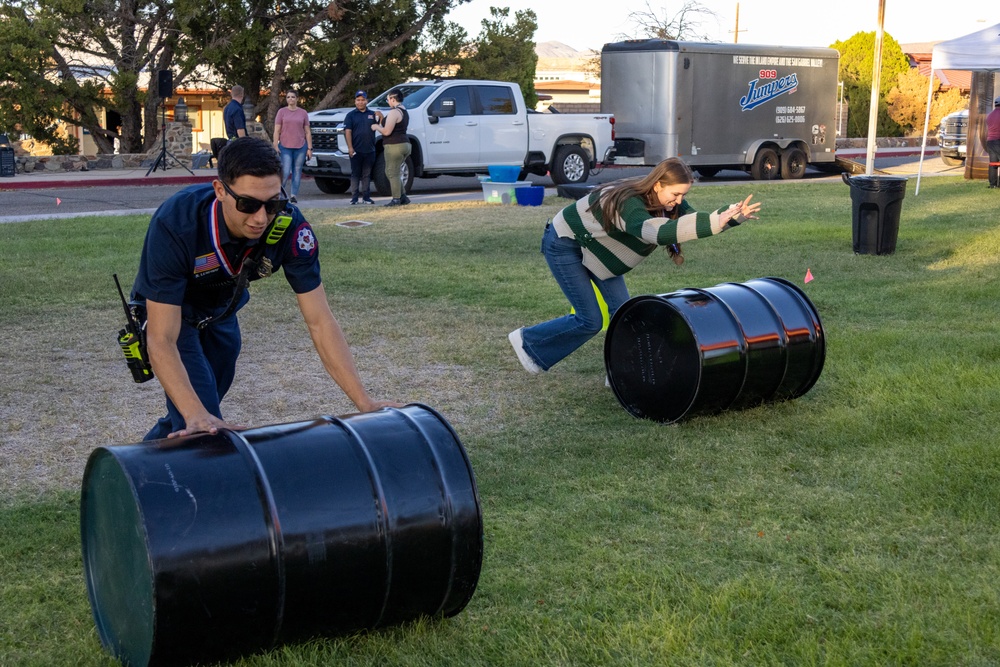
column 190, row 260
column 362, row 135
column 234, row 118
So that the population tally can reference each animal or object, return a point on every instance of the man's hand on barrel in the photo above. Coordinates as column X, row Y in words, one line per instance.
column 208, row 423
column 373, row 405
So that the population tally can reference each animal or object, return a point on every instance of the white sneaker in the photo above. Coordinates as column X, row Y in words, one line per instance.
column 529, row 364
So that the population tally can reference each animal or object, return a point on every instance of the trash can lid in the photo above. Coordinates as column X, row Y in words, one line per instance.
column 876, row 183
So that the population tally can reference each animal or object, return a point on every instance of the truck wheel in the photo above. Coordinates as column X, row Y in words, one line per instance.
column 707, row 172
column 766, row 165
column 793, row 163
column 571, row 165
column 952, row 161
column 332, row 186
column 382, row 182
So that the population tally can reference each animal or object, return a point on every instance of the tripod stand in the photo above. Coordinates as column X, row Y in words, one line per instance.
column 161, row 159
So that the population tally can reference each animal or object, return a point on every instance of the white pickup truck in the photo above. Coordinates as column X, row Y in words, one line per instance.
column 460, row 127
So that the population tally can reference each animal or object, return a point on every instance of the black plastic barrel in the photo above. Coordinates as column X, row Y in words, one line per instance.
column 732, row 346
column 214, row 546
column 876, row 203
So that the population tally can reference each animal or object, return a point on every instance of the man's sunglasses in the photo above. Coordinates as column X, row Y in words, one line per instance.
column 250, row 205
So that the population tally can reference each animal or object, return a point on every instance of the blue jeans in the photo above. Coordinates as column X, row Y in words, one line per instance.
column 292, row 161
column 209, row 356
column 550, row 342
column 361, row 173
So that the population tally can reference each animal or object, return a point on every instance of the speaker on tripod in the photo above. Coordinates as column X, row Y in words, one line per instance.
column 165, row 81
column 165, row 89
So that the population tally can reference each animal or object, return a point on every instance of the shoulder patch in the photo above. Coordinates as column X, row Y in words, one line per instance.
column 305, row 241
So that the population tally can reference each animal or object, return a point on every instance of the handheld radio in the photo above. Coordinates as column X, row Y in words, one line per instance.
column 132, row 340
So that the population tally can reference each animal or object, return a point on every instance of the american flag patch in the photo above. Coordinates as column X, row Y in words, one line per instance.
column 206, row 263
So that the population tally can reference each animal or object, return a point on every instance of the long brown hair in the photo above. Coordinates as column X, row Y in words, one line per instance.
column 671, row 171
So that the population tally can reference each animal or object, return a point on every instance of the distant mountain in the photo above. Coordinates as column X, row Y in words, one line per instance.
column 558, row 50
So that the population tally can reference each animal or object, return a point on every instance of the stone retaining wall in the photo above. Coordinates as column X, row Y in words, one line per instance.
column 179, row 144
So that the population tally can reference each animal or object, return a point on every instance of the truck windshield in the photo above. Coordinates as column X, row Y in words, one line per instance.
column 413, row 95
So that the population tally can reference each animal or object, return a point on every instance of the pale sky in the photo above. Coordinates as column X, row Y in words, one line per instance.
column 589, row 24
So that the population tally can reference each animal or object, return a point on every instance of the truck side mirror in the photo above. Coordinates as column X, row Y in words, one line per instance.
column 445, row 108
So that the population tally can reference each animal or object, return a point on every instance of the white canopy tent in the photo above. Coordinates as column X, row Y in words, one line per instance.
column 978, row 52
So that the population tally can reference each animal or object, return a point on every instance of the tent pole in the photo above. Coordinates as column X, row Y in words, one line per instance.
column 876, row 85
column 927, row 120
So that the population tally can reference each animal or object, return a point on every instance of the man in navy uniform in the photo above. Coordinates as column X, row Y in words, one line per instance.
column 233, row 116
column 202, row 246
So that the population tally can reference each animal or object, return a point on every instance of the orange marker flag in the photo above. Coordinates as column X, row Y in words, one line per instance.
column 809, row 275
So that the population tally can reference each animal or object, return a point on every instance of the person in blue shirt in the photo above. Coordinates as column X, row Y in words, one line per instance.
column 202, row 247
column 233, row 116
column 360, row 146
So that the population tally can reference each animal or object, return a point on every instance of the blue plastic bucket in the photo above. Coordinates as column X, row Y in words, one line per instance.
column 504, row 174
column 530, row 196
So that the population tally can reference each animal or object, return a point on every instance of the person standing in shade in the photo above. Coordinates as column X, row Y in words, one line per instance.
column 395, row 144
column 233, row 116
column 605, row 235
column 993, row 143
column 234, row 121
column 293, row 141
column 361, row 146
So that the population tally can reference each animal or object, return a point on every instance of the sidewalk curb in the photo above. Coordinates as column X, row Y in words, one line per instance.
column 31, row 184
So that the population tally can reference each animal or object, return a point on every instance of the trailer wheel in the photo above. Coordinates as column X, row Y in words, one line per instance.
column 766, row 165
column 708, row 172
column 571, row 165
column 332, row 186
column 793, row 163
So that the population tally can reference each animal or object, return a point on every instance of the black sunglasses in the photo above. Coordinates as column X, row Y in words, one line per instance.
column 250, row 205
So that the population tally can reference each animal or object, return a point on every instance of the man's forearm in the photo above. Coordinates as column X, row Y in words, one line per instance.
column 169, row 369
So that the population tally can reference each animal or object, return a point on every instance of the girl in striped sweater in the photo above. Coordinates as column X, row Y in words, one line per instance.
column 605, row 235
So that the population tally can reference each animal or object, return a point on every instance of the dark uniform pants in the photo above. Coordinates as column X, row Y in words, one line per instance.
column 209, row 357
column 993, row 149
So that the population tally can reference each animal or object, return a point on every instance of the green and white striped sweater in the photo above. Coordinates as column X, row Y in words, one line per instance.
column 634, row 235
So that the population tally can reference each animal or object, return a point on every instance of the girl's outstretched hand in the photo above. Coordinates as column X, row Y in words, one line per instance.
column 741, row 211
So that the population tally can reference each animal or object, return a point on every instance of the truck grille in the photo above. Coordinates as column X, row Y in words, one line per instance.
column 954, row 126
column 324, row 136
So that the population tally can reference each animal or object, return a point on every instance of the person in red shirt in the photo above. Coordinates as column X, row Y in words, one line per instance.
column 993, row 142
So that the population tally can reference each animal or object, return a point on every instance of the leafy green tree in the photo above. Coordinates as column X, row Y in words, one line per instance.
column 71, row 53
column 857, row 64
column 38, row 87
column 505, row 52
column 325, row 49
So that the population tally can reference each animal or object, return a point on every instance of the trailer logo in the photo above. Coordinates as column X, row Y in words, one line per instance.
column 764, row 92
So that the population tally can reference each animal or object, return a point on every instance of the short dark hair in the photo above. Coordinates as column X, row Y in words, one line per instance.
column 247, row 156
column 396, row 93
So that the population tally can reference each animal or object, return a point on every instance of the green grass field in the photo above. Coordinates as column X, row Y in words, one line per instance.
column 855, row 525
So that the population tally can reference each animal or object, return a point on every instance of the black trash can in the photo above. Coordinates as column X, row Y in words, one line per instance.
column 8, row 166
column 214, row 546
column 876, row 202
